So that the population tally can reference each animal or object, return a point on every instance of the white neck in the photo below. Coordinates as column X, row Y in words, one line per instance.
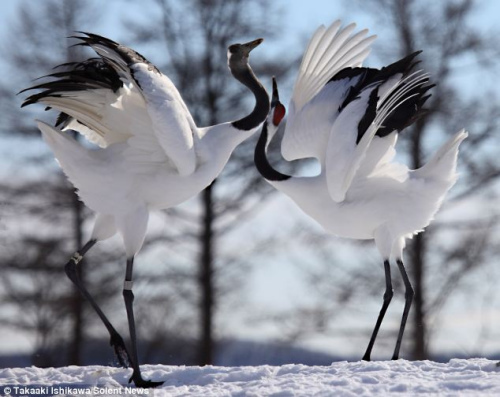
column 218, row 142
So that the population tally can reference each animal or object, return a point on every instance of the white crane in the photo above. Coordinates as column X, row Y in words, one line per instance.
column 348, row 117
column 152, row 155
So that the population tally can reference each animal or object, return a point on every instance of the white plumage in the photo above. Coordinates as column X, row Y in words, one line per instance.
column 152, row 155
column 351, row 124
column 329, row 51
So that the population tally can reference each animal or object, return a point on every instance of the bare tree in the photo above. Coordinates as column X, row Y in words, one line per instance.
column 442, row 258
column 42, row 201
column 446, row 35
column 195, row 36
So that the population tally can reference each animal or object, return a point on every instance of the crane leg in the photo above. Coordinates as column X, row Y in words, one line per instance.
column 71, row 269
column 409, row 293
column 387, row 299
column 128, row 297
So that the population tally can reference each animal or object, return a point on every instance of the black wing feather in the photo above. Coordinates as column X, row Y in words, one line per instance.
column 411, row 103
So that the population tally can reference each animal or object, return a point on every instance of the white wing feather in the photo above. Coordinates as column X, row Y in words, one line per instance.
column 342, row 150
column 147, row 112
column 308, row 132
column 172, row 123
column 100, row 112
column 110, row 118
column 88, row 133
column 329, row 51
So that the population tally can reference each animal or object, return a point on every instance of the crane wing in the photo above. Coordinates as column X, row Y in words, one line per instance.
column 123, row 97
column 343, row 152
column 91, row 96
column 329, row 51
column 378, row 110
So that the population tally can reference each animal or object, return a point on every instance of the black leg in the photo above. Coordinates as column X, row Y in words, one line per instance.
column 408, row 300
column 387, row 299
column 72, row 273
column 128, row 296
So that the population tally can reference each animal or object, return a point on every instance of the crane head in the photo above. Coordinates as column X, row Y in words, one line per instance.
column 273, row 120
column 277, row 109
column 237, row 54
column 243, row 50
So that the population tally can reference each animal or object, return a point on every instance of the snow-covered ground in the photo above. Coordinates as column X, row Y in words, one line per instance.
column 472, row 377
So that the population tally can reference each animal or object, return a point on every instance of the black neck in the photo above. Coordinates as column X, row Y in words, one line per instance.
column 261, row 109
column 262, row 163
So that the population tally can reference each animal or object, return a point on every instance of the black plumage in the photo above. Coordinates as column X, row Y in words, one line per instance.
column 411, row 103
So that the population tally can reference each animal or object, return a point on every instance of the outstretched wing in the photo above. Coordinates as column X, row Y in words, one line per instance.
column 387, row 101
column 316, row 95
column 123, row 97
column 90, row 95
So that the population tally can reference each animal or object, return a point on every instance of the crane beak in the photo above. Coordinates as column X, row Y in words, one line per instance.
column 276, row 97
column 252, row 44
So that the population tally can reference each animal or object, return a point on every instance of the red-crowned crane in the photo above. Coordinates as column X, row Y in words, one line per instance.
column 348, row 117
column 152, row 155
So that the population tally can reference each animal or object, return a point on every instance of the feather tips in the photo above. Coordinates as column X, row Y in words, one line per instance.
column 328, row 52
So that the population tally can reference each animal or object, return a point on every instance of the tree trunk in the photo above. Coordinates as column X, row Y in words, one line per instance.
column 74, row 348
column 207, row 234
column 419, row 350
column 417, row 250
column 206, row 278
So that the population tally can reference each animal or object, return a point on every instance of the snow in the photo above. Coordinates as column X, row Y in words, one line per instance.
column 458, row 377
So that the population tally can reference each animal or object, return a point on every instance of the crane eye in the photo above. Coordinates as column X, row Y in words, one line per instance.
column 279, row 113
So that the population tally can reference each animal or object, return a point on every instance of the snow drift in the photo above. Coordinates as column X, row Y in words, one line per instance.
column 458, row 377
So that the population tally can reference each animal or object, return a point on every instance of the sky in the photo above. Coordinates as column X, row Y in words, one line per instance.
column 280, row 281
